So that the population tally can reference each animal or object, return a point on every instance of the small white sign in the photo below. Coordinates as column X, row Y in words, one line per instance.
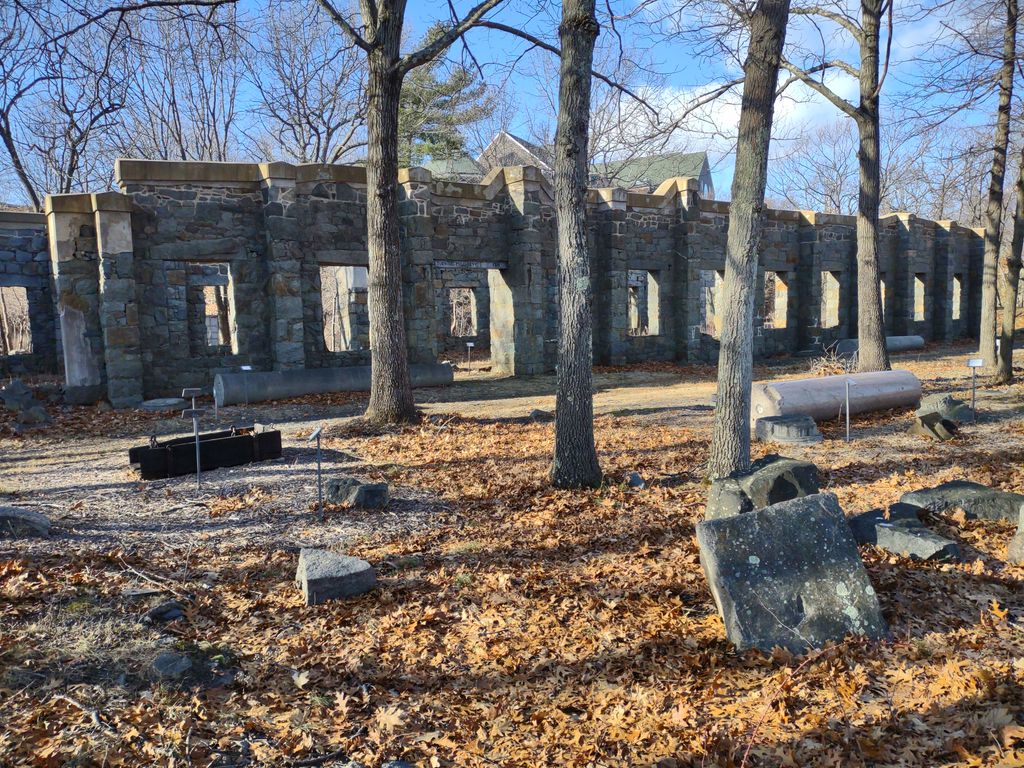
column 470, row 344
column 975, row 362
column 245, row 367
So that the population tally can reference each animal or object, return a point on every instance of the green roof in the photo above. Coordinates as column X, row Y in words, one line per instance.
column 454, row 166
column 652, row 169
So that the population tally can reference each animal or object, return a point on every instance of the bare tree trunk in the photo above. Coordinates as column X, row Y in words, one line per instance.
column 994, row 209
column 575, row 462
column 872, row 354
column 1010, row 284
column 390, row 389
column 730, row 442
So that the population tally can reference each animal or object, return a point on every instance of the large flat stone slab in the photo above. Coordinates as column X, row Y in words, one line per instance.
column 974, row 499
column 324, row 575
column 864, row 525
column 947, row 406
column 915, row 541
column 789, row 575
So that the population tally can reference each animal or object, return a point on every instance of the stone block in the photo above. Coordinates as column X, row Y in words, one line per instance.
column 323, row 576
column 909, row 538
column 863, row 525
column 932, row 425
column 797, row 430
column 947, row 406
column 974, row 499
column 769, row 480
column 17, row 523
column 789, row 575
column 1015, row 552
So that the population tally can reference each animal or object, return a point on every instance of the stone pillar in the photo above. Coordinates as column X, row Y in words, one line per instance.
column 943, row 327
column 119, row 314
column 284, row 263
column 517, row 293
column 416, row 239
column 609, row 272
column 686, row 288
column 73, row 264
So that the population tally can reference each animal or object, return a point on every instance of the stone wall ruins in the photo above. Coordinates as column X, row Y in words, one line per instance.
column 196, row 268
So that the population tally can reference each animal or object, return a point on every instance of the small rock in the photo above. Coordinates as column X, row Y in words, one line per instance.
column 1015, row 552
column 338, row 489
column 636, row 480
column 170, row 665
column 16, row 523
column 974, row 499
column 104, row 407
column 323, row 575
column 35, row 414
column 166, row 611
column 397, row 764
column 947, row 406
column 932, row 425
column 16, row 395
column 541, row 417
column 370, row 496
column 163, row 404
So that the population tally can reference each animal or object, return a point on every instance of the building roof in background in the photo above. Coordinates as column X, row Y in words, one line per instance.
column 651, row 170
column 454, row 167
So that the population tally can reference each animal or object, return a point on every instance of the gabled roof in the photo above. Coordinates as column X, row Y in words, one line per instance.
column 542, row 153
column 454, row 167
column 651, row 170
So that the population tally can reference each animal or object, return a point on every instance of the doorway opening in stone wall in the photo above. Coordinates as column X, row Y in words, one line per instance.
column 15, row 326
column 712, row 283
column 919, row 297
column 211, row 311
column 958, row 284
column 466, row 341
column 830, row 292
column 776, row 300
column 643, row 293
column 346, row 319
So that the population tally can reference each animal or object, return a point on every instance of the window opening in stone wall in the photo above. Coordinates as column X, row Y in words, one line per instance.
column 919, row 297
column 881, row 290
column 209, row 304
column 644, row 297
column 711, row 288
column 345, row 314
column 958, row 284
column 463, row 310
column 830, row 282
column 15, row 327
column 776, row 300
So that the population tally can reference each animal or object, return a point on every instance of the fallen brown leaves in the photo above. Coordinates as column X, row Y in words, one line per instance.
column 534, row 627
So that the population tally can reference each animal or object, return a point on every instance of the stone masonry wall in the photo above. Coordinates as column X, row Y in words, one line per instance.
column 262, row 232
column 25, row 263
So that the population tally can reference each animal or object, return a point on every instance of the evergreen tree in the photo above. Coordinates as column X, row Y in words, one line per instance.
column 436, row 102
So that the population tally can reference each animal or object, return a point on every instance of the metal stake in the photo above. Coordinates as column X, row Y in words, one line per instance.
column 974, row 363
column 195, row 413
column 469, row 354
column 848, row 385
column 319, row 477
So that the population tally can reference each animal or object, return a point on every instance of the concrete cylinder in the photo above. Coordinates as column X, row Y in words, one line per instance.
column 824, row 397
column 257, row 386
column 847, row 347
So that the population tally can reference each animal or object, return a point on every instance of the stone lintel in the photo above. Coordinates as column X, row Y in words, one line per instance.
column 73, row 203
column 128, row 171
column 111, row 201
column 22, row 219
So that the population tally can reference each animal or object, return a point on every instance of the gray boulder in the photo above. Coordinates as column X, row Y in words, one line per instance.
column 789, row 430
column 913, row 540
column 1015, row 552
column 636, row 480
column 770, row 480
column 324, row 576
column 863, row 525
column 34, row 414
column 170, row 665
column 16, row 523
column 789, row 575
column 16, row 396
column 947, row 406
column 974, row 499
column 348, row 490
column 934, row 426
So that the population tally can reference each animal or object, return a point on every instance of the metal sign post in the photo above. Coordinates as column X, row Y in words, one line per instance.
column 469, row 353
column 194, row 413
column 319, row 480
column 847, row 410
column 974, row 363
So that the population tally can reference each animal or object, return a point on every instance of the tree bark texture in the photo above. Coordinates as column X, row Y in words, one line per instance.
column 1010, row 284
column 575, row 462
column 872, row 354
column 730, row 442
column 390, row 388
column 994, row 207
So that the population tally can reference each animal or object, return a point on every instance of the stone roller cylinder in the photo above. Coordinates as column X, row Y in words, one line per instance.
column 824, row 397
column 258, row 386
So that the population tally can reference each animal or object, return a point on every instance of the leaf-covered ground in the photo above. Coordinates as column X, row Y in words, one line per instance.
column 515, row 625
